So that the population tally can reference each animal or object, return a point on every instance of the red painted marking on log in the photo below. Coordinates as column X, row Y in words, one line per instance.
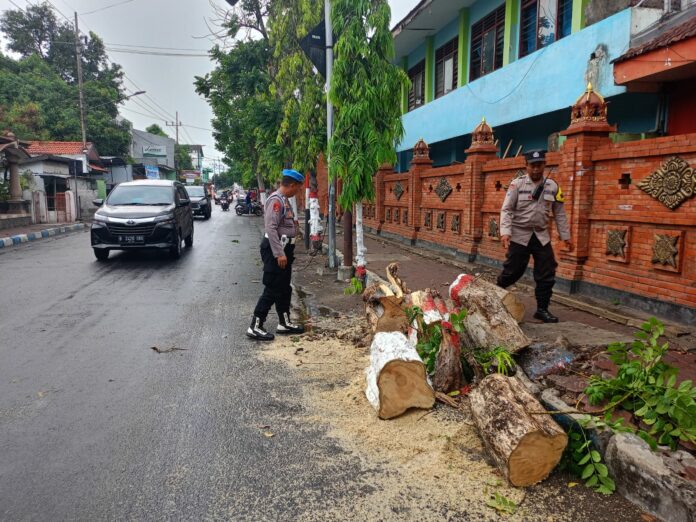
column 462, row 281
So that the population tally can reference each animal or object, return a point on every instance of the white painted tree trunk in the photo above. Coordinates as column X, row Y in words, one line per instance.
column 315, row 228
column 359, row 235
column 396, row 377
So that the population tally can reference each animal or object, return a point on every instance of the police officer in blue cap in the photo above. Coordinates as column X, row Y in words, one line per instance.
column 277, row 254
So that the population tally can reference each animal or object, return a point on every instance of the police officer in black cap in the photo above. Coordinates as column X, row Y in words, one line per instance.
column 529, row 204
column 277, row 254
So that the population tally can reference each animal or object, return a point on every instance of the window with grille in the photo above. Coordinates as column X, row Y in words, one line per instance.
column 487, row 45
column 446, row 67
column 416, row 94
column 543, row 22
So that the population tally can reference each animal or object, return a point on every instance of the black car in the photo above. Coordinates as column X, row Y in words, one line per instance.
column 143, row 214
column 200, row 200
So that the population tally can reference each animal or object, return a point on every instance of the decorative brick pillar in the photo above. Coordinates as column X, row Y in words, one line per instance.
column 483, row 149
column 421, row 162
column 588, row 130
column 379, row 194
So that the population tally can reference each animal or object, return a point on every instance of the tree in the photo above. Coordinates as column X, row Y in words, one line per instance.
column 365, row 89
column 156, row 130
column 302, row 131
column 247, row 115
column 182, row 158
column 38, row 91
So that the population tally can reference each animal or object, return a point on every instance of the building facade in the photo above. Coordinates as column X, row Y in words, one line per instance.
column 519, row 64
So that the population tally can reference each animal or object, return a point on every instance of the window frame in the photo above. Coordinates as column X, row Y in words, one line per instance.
column 559, row 34
column 447, row 51
column 493, row 21
column 413, row 72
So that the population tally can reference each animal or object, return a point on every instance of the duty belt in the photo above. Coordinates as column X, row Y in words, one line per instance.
column 288, row 240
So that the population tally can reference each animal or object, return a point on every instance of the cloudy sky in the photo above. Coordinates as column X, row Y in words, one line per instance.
column 160, row 26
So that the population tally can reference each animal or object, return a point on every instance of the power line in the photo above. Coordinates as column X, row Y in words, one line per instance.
column 156, row 53
column 106, row 7
column 155, row 47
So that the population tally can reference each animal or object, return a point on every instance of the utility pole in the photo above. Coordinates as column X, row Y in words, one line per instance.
column 333, row 263
column 176, row 124
column 78, row 54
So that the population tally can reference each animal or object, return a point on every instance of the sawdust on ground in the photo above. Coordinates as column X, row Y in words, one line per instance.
column 431, row 464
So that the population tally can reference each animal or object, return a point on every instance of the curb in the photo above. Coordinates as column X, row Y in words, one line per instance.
column 10, row 241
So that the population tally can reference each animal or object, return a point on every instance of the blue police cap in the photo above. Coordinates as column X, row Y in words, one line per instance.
column 290, row 173
column 535, row 156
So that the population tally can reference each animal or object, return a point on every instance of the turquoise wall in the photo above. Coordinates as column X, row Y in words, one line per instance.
column 548, row 80
column 418, row 55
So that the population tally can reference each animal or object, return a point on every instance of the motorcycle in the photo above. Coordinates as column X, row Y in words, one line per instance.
column 242, row 209
column 225, row 203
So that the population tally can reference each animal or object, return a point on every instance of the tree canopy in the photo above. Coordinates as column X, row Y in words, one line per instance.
column 365, row 90
column 38, row 90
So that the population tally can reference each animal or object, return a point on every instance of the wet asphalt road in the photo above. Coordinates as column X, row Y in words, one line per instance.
column 94, row 424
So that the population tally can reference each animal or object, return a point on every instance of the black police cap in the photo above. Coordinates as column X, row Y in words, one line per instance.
column 535, row 156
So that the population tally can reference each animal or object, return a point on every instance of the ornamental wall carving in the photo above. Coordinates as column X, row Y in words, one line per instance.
column 672, row 184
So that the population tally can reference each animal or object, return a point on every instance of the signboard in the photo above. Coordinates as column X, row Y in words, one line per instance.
column 190, row 174
column 151, row 172
column 154, row 151
column 314, row 46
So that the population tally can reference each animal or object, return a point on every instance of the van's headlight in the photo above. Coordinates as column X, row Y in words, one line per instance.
column 99, row 218
column 165, row 218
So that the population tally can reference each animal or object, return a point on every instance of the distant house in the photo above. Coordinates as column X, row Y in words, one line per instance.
column 60, row 166
column 153, row 156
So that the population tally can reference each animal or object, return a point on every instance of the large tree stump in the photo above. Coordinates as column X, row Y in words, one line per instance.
column 384, row 304
column 526, row 447
column 396, row 377
column 489, row 322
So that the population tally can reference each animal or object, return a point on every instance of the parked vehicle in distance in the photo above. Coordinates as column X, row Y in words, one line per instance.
column 241, row 208
column 143, row 214
column 200, row 200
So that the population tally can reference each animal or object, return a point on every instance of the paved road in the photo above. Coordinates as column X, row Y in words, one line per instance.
column 94, row 424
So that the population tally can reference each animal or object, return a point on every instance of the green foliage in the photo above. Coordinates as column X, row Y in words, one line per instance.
column 38, row 91
column 365, row 90
column 26, row 180
column 582, row 459
column 182, row 158
column 355, row 288
column 4, row 191
column 430, row 335
column 501, row 504
column 647, row 387
column 246, row 115
column 498, row 358
column 302, row 131
column 156, row 130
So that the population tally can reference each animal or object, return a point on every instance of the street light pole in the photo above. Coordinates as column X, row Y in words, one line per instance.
column 329, row 132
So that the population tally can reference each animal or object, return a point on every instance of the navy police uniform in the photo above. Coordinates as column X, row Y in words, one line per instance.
column 278, row 241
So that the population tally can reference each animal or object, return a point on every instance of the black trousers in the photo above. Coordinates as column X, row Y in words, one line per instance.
column 544, row 268
column 277, row 290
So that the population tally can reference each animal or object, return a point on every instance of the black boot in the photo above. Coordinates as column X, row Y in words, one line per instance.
column 286, row 326
column 544, row 315
column 258, row 332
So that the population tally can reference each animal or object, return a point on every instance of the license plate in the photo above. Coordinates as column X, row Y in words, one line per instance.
column 131, row 239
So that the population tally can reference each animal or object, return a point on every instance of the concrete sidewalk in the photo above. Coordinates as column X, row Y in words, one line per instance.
column 16, row 236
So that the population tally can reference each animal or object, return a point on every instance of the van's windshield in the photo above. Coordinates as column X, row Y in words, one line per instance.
column 141, row 195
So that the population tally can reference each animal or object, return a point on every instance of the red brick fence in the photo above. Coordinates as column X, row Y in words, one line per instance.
column 631, row 206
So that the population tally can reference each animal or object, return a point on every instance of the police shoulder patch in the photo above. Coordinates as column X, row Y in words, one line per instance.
column 560, row 198
column 276, row 206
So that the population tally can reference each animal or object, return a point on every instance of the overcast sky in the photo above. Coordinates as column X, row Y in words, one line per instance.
column 168, row 80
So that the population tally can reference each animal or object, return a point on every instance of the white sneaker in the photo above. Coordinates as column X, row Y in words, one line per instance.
column 258, row 332
column 286, row 326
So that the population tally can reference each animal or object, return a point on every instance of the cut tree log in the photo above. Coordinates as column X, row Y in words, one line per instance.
column 448, row 365
column 396, row 377
column 464, row 284
column 489, row 322
column 384, row 304
column 525, row 447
